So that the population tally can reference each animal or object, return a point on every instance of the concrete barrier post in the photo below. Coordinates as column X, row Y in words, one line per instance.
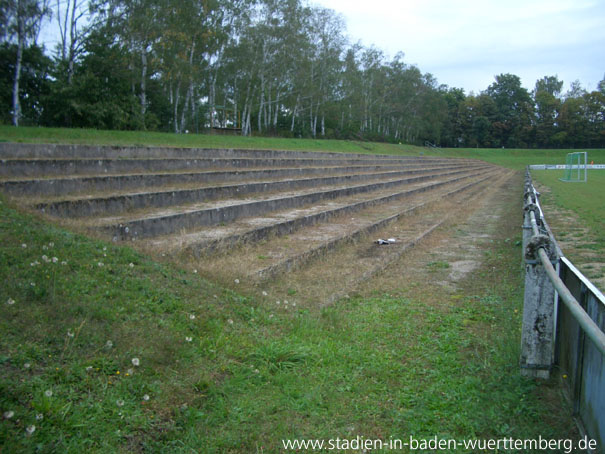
column 538, row 332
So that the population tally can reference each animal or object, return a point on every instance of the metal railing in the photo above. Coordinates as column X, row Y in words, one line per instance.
column 570, row 335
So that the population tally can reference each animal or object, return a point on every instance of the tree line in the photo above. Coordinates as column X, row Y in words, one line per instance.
column 263, row 67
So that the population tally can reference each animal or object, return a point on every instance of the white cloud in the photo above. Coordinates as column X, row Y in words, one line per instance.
column 464, row 43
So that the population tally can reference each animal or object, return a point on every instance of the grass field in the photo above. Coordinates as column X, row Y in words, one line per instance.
column 586, row 200
column 104, row 350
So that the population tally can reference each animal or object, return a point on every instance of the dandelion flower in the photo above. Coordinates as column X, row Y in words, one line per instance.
column 120, row 403
column 146, row 397
column 48, row 393
column 39, row 417
column 30, row 430
column 135, row 362
column 10, row 302
column 194, row 271
column 8, row 414
column 188, row 339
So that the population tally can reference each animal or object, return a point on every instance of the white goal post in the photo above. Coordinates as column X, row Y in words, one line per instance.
column 575, row 167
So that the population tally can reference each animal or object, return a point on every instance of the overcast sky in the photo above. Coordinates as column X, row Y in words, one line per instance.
column 465, row 43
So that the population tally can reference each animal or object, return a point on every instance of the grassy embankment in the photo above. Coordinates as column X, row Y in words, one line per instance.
column 104, row 350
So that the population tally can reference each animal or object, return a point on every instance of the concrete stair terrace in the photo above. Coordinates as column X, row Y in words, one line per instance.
column 255, row 213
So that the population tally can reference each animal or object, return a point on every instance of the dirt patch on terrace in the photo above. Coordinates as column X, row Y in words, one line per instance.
column 440, row 266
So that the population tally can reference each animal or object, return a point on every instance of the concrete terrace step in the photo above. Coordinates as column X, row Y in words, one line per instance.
column 56, row 151
column 315, row 244
column 206, row 240
column 117, row 202
column 10, row 168
column 75, row 185
column 181, row 218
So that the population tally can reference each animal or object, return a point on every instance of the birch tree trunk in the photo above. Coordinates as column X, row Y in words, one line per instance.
column 17, row 77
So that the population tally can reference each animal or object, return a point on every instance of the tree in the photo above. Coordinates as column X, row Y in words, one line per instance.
column 21, row 23
column 515, row 110
column 548, row 103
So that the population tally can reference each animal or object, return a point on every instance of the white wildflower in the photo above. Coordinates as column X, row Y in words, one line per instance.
column 45, row 258
column 64, row 262
column 264, row 293
column 130, row 371
column 55, row 259
column 278, row 302
column 10, row 302
column 70, row 333
column 33, row 284
column 120, row 403
column 8, row 414
column 256, row 371
column 88, row 368
column 146, row 397
column 188, row 339
column 270, row 315
column 191, row 316
column 51, row 244
column 108, row 344
column 135, row 362
column 39, row 417
column 100, row 264
column 45, row 247
column 27, row 366
column 48, row 393
column 230, row 321
column 24, row 245
column 105, row 248
column 194, row 271
column 30, row 430
column 131, row 265
column 237, row 281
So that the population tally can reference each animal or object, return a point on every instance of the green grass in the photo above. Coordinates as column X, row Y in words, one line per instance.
column 245, row 373
column 584, row 199
column 514, row 159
